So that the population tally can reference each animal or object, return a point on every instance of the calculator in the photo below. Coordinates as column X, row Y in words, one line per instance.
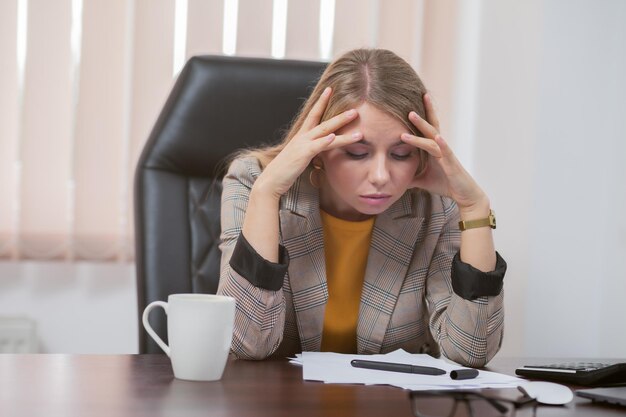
column 580, row 373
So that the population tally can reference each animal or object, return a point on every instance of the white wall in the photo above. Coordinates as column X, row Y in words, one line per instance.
column 551, row 150
column 77, row 308
column 579, row 190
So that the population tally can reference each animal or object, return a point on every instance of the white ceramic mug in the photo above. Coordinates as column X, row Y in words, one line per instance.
column 200, row 331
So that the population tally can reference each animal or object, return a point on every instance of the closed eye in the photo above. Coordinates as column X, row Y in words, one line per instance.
column 401, row 157
column 356, row 155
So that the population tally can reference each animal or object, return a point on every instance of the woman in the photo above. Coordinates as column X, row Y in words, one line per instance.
column 345, row 237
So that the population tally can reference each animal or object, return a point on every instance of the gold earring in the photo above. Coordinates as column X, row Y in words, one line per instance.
column 313, row 175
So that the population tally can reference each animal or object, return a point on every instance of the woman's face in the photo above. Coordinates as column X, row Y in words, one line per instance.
column 365, row 178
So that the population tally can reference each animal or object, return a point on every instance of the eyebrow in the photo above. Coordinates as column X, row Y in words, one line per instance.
column 365, row 142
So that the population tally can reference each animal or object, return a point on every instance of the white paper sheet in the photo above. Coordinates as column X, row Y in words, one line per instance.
column 335, row 368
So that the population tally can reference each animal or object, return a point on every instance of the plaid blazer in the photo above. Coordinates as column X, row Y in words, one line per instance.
column 407, row 300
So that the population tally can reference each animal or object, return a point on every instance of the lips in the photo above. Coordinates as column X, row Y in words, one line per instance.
column 375, row 196
column 375, row 199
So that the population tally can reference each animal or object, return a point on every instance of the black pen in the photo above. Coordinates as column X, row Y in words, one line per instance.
column 397, row 367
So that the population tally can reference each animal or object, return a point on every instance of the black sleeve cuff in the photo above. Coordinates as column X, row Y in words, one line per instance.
column 257, row 270
column 470, row 283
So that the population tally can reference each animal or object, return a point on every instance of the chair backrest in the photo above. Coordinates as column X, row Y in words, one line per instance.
column 218, row 105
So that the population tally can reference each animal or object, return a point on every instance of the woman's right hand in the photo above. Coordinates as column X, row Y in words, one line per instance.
column 312, row 138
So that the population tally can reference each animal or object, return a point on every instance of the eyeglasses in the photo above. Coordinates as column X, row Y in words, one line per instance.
column 445, row 403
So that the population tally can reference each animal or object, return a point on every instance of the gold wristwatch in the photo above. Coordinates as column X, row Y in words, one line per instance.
column 472, row 224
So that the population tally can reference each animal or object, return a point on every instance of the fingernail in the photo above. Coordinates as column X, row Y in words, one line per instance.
column 404, row 136
column 350, row 113
column 326, row 91
column 356, row 135
column 413, row 115
column 330, row 137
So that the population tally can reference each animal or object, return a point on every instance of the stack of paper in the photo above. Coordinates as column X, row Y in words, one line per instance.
column 335, row 368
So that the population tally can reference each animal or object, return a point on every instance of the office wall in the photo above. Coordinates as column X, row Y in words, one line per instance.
column 76, row 307
column 551, row 149
column 579, row 228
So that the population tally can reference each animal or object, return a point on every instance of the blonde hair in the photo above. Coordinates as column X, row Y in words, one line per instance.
column 376, row 76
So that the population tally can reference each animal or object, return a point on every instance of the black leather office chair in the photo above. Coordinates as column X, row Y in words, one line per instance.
column 218, row 105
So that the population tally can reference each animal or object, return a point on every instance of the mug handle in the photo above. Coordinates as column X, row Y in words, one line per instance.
column 149, row 329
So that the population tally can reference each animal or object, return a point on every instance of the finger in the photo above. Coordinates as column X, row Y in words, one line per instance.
column 452, row 164
column 316, row 113
column 431, row 115
column 330, row 125
column 422, row 125
column 443, row 146
column 428, row 145
column 333, row 141
column 344, row 140
column 320, row 145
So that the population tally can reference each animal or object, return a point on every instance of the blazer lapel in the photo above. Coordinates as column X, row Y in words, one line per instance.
column 303, row 236
column 394, row 238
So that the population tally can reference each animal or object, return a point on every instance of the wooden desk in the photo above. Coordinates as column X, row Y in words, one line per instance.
column 143, row 385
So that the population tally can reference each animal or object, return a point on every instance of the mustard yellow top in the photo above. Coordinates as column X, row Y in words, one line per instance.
column 346, row 247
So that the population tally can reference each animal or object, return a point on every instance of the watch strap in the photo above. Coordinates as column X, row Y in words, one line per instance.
column 489, row 221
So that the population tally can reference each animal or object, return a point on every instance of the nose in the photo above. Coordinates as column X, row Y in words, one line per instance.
column 378, row 171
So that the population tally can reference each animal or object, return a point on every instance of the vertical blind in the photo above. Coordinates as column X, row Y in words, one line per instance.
column 82, row 82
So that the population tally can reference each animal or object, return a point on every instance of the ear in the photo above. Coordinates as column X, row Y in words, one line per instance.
column 317, row 163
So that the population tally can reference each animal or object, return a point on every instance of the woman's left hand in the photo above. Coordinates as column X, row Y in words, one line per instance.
column 444, row 174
